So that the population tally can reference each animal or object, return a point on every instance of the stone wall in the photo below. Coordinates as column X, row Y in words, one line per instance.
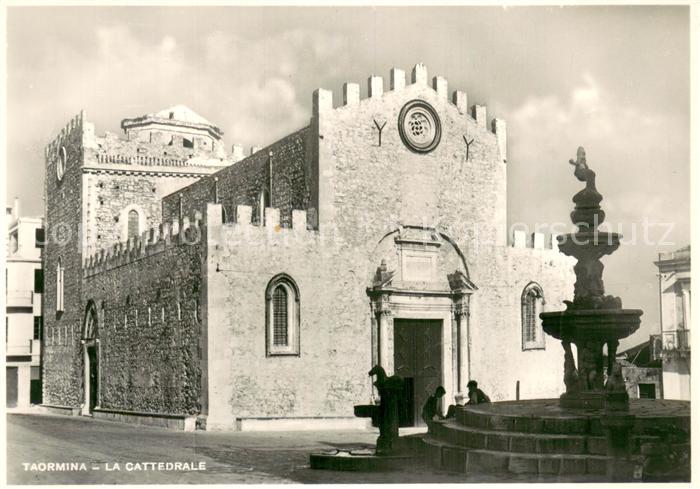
column 104, row 178
column 149, row 295
column 330, row 374
column 365, row 189
column 279, row 168
column 62, row 384
column 634, row 376
column 498, row 360
column 110, row 195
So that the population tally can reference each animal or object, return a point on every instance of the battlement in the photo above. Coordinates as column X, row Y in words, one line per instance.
column 74, row 125
column 244, row 217
column 160, row 149
column 150, row 242
column 245, row 231
column 537, row 241
column 323, row 99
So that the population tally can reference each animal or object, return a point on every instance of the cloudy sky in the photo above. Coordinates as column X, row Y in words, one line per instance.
column 612, row 79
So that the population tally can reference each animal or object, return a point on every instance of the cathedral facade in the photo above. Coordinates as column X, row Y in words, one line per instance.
column 189, row 286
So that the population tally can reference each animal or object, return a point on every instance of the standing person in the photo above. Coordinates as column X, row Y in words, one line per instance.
column 430, row 408
column 476, row 395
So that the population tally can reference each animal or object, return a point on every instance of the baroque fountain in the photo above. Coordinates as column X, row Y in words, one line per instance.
column 592, row 320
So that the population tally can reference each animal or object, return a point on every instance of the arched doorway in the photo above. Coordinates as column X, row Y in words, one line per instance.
column 91, row 372
column 419, row 297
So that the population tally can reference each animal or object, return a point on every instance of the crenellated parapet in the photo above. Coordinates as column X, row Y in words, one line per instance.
column 190, row 232
column 185, row 231
column 246, row 232
column 72, row 129
column 323, row 99
column 537, row 241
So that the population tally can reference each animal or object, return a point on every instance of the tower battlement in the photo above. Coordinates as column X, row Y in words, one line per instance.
column 74, row 127
column 323, row 98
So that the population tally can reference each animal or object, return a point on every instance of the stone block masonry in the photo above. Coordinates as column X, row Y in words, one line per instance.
column 149, row 294
column 92, row 183
column 274, row 176
column 64, row 207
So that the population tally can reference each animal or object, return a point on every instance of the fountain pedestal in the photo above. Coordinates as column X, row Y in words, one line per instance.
column 590, row 330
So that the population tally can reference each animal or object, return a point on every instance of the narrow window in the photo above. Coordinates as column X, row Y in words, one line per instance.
column 532, row 302
column 39, row 237
column 59, row 286
column 38, row 324
column 279, row 313
column 263, row 202
column 133, row 227
column 38, row 281
column 282, row 316
column 126, row 311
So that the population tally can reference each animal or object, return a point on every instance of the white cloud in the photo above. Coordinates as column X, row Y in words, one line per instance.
column 638, row 157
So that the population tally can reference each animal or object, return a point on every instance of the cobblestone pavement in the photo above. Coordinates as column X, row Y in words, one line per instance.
column 240, row 457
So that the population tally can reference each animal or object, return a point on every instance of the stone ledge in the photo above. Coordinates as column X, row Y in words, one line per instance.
column 180, row 422
column 62, row 410
column 271, row 423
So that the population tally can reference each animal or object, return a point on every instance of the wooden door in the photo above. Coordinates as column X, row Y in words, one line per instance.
column 418, row 359
column 92, row 357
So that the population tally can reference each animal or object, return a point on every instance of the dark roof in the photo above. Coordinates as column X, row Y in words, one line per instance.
column 640, row 355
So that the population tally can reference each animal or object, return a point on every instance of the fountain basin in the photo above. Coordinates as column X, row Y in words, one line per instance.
column 591, row 324
column 366, row 410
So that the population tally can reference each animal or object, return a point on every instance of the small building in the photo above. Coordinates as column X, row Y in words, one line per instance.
column 641, row 371
column 24, row 286
column 672, row 345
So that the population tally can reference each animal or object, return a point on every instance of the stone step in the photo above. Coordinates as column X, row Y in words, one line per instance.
column 556, row 424
column 515, row 441
column 446, row 456
column 544, row 416
column 520, row 442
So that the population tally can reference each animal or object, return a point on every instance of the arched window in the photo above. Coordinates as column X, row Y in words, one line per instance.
column 59, row 286
column 282, row 316
column 532, row 304
column 280, row 326
column 133, row 226
column 91, row 322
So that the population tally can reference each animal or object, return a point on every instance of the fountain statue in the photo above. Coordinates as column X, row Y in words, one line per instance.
column 592, row 319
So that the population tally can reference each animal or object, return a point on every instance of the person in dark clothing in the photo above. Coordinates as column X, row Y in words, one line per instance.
column 430, row 408
column 476, row 395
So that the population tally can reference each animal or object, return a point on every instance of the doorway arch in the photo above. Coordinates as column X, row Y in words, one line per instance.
column 91, row 354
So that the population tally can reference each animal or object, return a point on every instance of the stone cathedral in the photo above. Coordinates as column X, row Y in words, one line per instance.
column 190, row 287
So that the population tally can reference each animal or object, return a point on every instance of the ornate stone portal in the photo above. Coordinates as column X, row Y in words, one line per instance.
column 593, row 319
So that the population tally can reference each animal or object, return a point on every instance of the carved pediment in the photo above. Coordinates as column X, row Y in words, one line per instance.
column 383, row 276
column 460, row 282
